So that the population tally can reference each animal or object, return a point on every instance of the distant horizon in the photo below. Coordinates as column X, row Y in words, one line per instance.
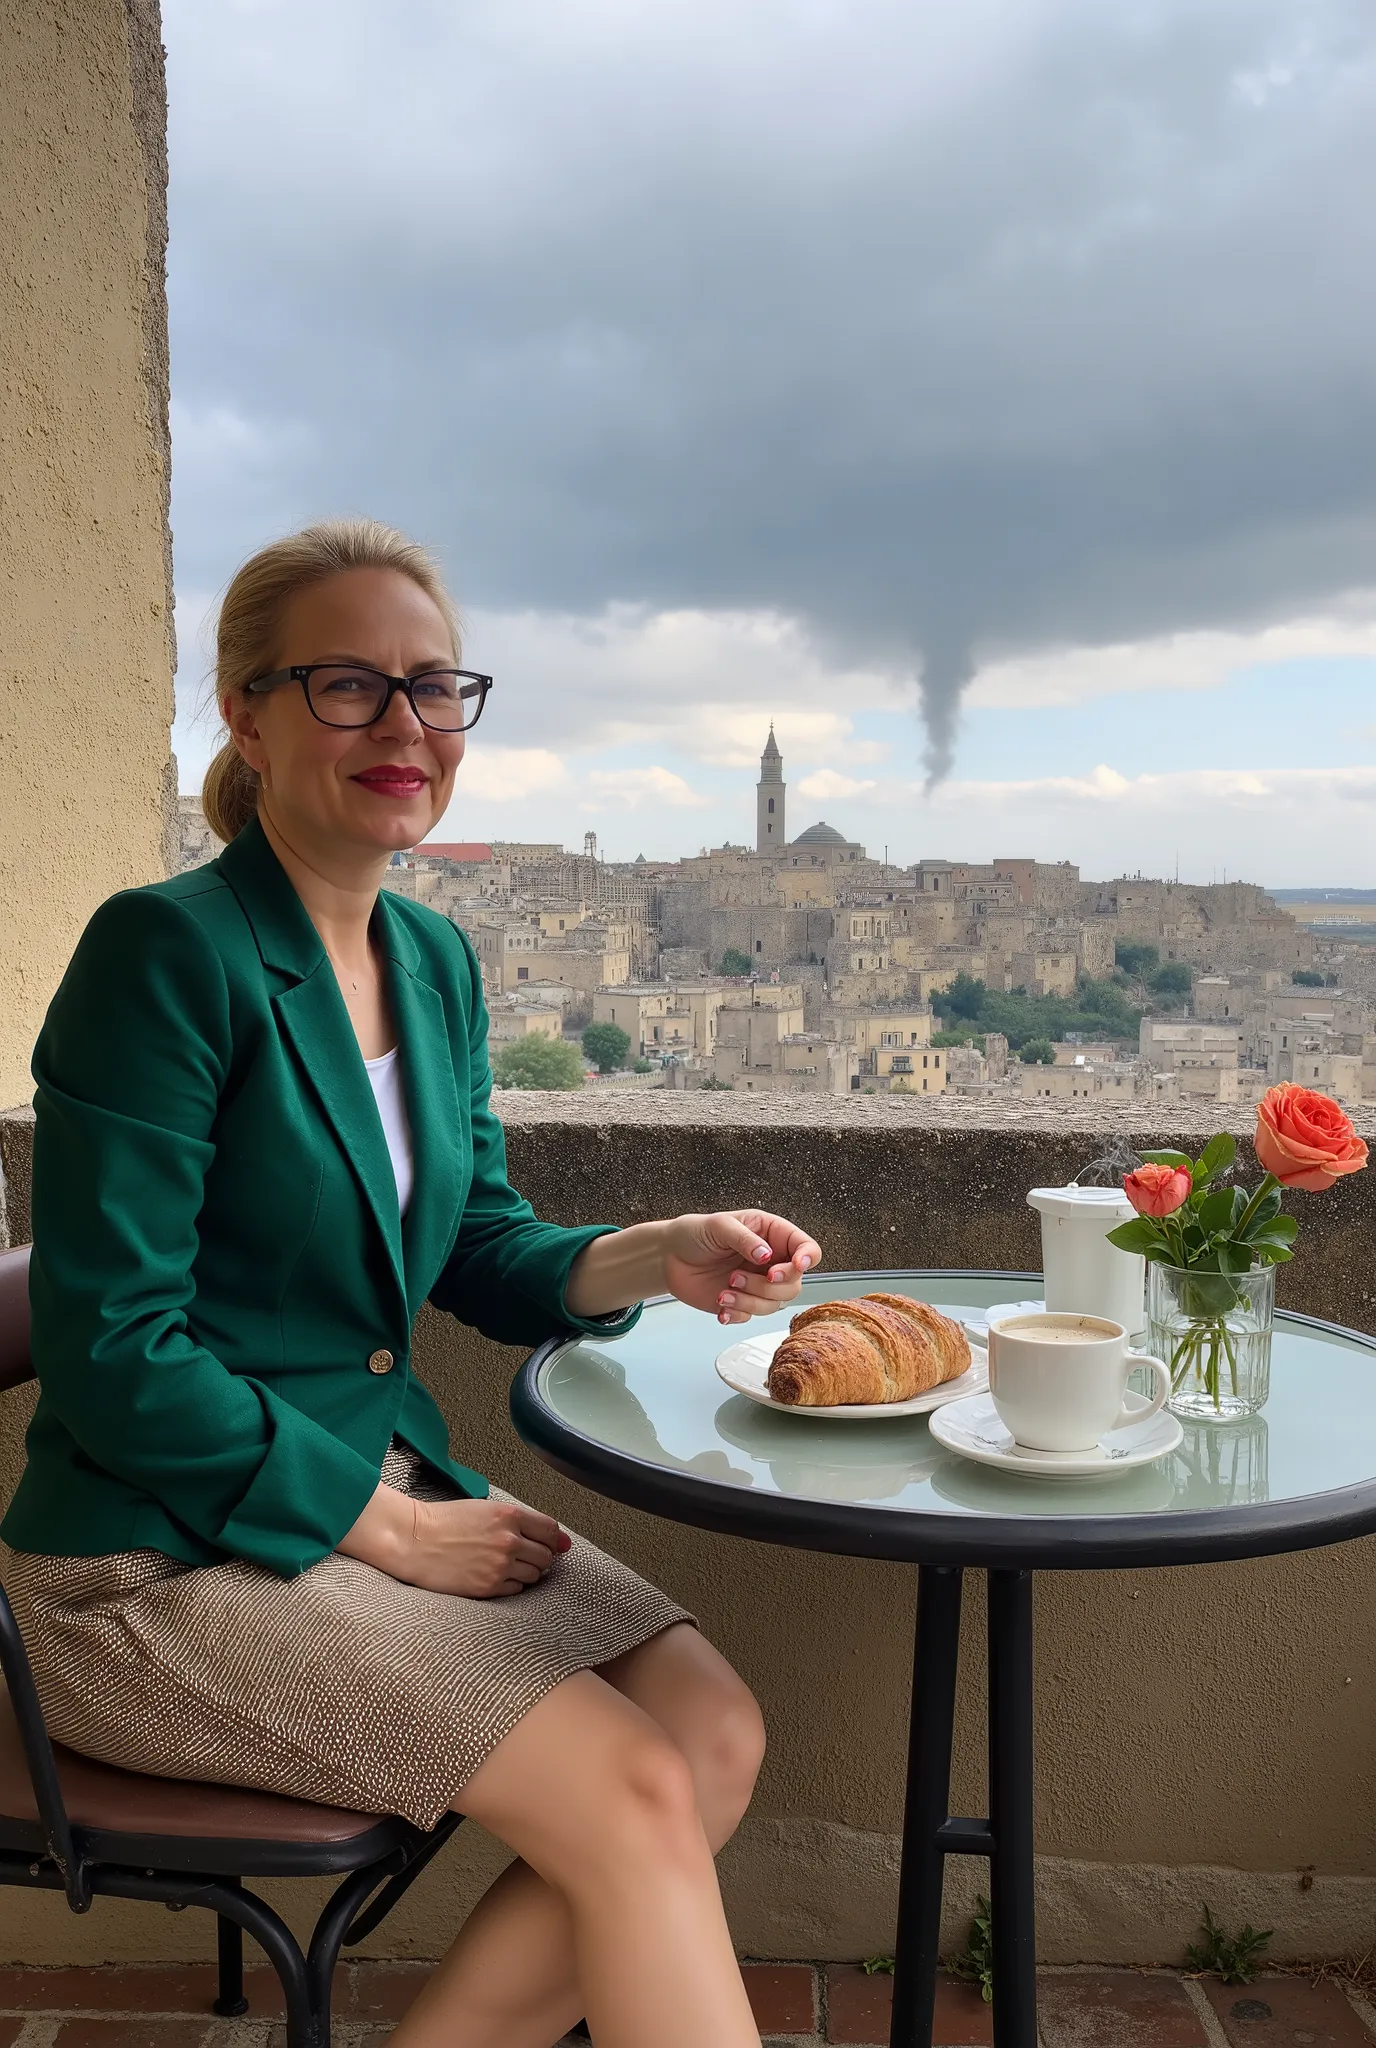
column 1317, row 892
column 1328, row 890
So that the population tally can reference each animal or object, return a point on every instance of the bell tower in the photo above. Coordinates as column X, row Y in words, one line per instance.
column 770, row 836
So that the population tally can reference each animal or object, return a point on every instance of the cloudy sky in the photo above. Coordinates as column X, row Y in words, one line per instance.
column 986, row 394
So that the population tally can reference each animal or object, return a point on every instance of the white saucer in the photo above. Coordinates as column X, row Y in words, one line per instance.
column 745, row 1369
column 972, row 1428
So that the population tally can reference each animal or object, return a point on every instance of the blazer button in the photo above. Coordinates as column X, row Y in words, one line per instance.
column 381, row 1361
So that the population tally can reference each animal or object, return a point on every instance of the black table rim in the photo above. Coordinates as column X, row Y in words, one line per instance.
column 1049, row 1542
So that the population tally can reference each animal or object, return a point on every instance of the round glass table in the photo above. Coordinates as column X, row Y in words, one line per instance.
column 644, row 1418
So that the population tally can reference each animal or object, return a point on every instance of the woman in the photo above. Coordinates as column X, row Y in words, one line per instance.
column 263, row 1140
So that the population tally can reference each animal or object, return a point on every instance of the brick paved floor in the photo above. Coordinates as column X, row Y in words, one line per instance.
column 795, row 2006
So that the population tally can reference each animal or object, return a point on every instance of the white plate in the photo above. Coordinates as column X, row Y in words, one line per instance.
column 745, row 1369
column 973, row 1429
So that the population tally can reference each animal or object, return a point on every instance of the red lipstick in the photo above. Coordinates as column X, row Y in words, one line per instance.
column 389, row 778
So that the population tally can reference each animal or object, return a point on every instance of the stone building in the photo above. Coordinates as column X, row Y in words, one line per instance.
column 662, row 1018
column 1084, row 1079
column 196, row 843
column 770, row 834
column 506, row 953
column 508, row 1021
column 762, row 1043
column 1218, row 927
column 822, row 846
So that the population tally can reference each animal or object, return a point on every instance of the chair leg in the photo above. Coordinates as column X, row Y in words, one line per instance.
column 231, row 2001
column 327, row 1938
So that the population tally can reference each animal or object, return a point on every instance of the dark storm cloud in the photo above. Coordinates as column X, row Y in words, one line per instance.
column 952, row 331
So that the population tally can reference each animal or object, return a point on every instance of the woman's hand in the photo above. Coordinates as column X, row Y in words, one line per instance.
column 737, row 1263
column 480, row 1548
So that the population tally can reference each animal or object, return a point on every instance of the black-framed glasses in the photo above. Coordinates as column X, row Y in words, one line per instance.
column 348, row 693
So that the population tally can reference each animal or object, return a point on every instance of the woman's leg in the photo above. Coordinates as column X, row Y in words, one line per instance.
column 512, row 1976
column 708, row 1712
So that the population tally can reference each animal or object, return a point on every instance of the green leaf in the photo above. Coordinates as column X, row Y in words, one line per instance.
column 1286, row 1228
column 1168, row 1159
column 1218, row 1211
column 1272, row 1255
column 1266, row 1208
column 1272, row 1235
column 1234, row 1258
column 1232, row 1957
column 1217, row 1156
column 1143, row 1233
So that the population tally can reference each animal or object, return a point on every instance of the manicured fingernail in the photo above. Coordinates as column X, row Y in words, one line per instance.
column 805, row 1261
column 726, row 1301
column 738, row 1279
column 762, row 1251
column 565, row 1540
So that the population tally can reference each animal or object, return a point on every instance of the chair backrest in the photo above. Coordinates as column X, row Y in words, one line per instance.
column 16, row 1365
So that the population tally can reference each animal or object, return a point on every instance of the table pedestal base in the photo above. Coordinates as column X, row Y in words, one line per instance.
column 931, row 1834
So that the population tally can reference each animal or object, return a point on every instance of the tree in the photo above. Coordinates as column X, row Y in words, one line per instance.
column 538, row 1062
column 942, row 1038
column 1038, row 1052
column 1098, row 1009
column 1305, row 977
column 1136, row 960
column 733, row 961
column 606, row 1045
column 964, row 998
column 642, row 1066
column 1173, row 978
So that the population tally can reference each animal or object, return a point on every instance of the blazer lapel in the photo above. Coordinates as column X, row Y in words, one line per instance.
column 315, row 1020
column 316, row 1023
column 432, row 1105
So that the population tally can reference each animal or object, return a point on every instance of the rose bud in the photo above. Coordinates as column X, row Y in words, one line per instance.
column 1305, row 1139
column 1156, row 1190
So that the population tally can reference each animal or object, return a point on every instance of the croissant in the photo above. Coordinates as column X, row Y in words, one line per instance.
column 869, row 1349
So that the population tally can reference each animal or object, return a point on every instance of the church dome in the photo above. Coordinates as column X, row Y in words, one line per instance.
column 821, row 834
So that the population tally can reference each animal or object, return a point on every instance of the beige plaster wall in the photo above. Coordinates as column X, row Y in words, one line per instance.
column 1202, row 1733
column 85, row 584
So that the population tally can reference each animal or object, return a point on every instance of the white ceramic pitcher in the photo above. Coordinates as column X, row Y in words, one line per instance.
column 1084, row 1273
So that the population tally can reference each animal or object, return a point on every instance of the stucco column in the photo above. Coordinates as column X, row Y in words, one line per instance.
column 86, row 649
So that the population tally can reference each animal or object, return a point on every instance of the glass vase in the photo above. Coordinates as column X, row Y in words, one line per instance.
column 1222, row 1468
column 1214, row 1332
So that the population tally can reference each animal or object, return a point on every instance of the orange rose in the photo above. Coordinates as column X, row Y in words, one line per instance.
column 1305, row 1139
column 1156, row 1190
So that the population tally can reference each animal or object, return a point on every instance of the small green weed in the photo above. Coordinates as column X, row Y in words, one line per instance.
column 1233, row 1957
column 874, row 1966
column 976, row 1960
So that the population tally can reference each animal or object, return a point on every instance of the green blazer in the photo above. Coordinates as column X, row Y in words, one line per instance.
column 222, row 1285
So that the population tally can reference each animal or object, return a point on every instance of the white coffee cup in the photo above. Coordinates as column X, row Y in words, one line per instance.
column 1058, row 1381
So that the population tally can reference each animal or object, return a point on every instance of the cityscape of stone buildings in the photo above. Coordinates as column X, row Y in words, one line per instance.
column 803, row 964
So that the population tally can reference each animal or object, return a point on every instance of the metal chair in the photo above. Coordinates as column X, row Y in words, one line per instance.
column 72, row 1825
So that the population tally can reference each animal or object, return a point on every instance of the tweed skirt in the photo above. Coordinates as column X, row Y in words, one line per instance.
column 341, row 1685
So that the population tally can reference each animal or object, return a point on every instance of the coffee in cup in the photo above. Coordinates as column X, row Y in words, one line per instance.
column 1058, row 1380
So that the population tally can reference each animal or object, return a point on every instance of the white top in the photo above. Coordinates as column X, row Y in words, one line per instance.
column 385, row 1075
